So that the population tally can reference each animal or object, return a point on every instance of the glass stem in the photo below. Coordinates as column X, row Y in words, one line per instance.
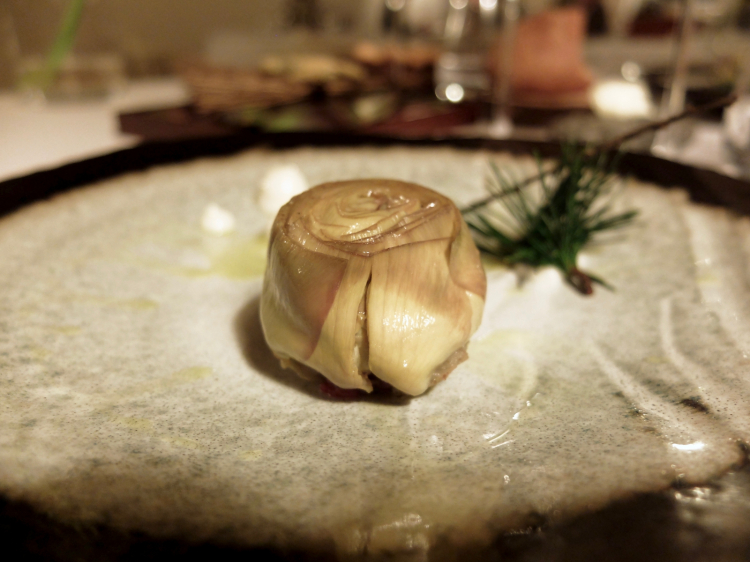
column 667, row 140
column 501, row 122
column 676, row 99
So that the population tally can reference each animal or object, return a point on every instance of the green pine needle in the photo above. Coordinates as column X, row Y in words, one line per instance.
column 551, row 229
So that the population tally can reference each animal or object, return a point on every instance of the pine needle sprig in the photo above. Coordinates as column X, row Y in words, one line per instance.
column 575, row 205
column 550, row 226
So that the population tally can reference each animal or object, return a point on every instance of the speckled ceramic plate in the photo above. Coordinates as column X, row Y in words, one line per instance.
column 138, row 392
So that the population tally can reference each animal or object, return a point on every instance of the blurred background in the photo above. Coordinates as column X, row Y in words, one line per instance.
column 82, row 77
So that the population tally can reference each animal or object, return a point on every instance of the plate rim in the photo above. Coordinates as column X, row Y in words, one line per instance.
column 704, row 186
column 23, row 524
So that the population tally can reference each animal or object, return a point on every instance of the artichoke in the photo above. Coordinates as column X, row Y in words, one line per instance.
column 372, row 278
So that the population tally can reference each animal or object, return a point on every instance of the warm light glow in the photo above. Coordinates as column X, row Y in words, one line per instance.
column 488, row 4
column 621, row 100
column 459, row 4
column 697, row 446
column 395, row 5
column 454, row 92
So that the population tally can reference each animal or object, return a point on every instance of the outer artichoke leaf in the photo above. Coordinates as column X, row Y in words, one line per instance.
column 465, row 263
column 335, row 354
column 299, row 289
column 417, row 316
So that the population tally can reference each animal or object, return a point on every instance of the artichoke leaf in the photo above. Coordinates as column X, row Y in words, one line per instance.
column 299, row 289
column 465, row 264
column 417, row 316
column 337, row 352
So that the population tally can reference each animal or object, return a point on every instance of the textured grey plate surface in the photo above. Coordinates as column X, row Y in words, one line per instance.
column 138, row 393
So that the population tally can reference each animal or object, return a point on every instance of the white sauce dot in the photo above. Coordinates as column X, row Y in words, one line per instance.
column 278, row 186
column 216, row 220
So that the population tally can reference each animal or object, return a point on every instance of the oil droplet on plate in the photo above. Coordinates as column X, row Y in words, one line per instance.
column 251, row 455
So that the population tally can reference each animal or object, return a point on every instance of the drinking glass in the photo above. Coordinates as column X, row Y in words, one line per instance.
column 462, row 72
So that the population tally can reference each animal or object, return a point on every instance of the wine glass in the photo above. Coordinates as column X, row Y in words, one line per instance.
column 462, row 73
